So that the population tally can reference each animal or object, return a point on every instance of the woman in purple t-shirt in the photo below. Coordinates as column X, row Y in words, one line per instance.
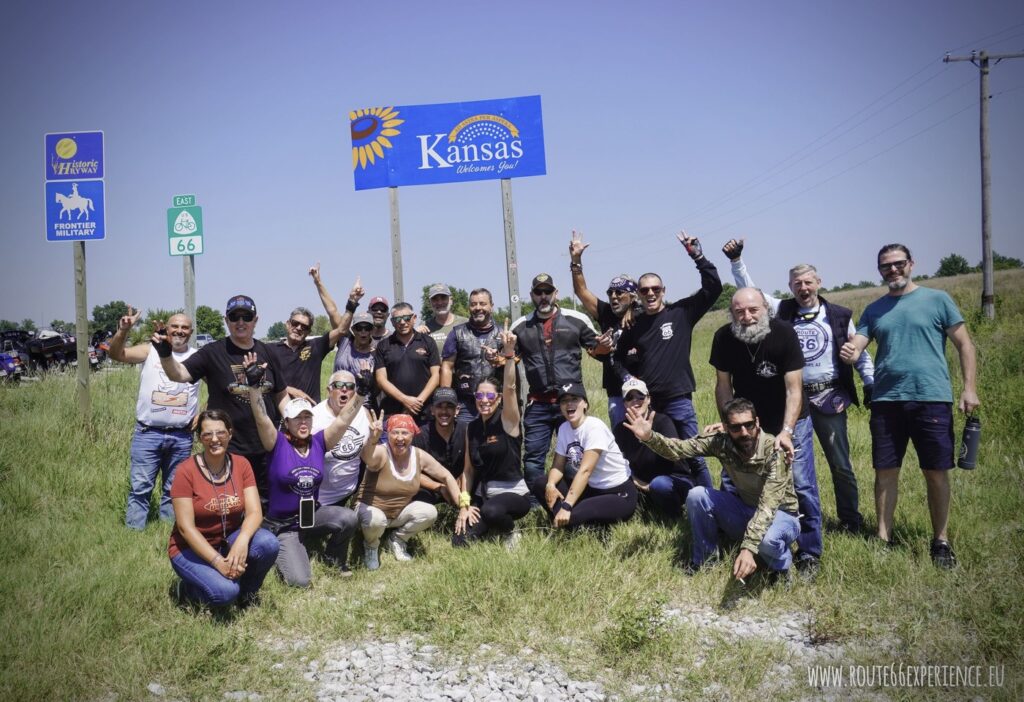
column 295, row 467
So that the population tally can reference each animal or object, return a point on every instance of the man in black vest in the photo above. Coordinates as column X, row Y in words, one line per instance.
column 822, row 327
column 469, row 353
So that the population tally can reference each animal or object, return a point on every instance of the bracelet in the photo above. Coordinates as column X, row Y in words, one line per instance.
column 464, row 500
column 566, row 506
column 351, row 306
column 576, row 267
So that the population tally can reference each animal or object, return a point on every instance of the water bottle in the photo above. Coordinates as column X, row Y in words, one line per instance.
column 969, row 443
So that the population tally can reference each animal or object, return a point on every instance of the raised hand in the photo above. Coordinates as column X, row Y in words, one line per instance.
column 160, row 339
column 691, row 244
column 640, row 423
column 129, row 320
column 376, row 425
column 733, row 249
column 364, row 379
column 254, row 371
column 357, row 292
column 577, row 247
column 314, row 273
column 508, row 342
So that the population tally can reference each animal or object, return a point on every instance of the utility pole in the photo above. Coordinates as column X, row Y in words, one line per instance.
column 981, row 59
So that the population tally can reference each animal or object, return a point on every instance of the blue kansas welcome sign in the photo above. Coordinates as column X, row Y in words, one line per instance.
column 447, row 143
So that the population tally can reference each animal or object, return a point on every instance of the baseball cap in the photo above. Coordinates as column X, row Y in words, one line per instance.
column 445, row 395
column 297, row 406
column 379, row 301
column 573, row 389
column 362, row 318
column 623, row 283
column 635, row 385
column 438, row 289
column 542, row 279
column 240, row 302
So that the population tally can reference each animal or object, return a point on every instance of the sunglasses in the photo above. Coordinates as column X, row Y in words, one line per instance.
column 893, row 265
column 363, row 328
column 241, row 316
column 298, row 325
column 543, row 292
column 612, row 292
column 749, row 426
column 342, row 385
column 402, row 318
column 656, row 289
column 635, row 397
column 207, row 435
column 485, row 395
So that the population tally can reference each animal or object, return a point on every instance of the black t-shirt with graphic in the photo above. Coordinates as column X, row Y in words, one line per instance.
column 220, row 364
column 643, row 462
column 301, row 367
column 758, row 370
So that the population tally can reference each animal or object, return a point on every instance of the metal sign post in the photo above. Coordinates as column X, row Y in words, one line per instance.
column 396, row 245
column 185, row 239
column 515, row 307
column 76, row 212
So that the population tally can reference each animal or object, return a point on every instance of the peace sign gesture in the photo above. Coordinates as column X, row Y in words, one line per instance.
column 376, row 425
column 129, row 320
column 508, row 342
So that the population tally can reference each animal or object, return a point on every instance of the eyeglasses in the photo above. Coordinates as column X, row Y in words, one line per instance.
column 485, row 395
column 656, row 289
column 208, row 435
column 241, row 316
column 893, row 265
column 543, row 292
column 367, row 328
column 749, row 426
column 612, row 292
column 299, row 325
column 342, row 385
column 402, row 318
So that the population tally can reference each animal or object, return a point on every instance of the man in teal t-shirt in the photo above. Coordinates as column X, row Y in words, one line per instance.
column 913, row 396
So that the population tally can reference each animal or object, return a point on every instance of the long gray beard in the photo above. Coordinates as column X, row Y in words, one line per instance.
column 754, row 334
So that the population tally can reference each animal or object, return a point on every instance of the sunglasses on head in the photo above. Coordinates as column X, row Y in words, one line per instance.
column 241, row 316
column 749, row 426
column 299, row 325
column 893, row 265
column 342, row 385
column 401, row 318
column 656, row 289
column 485, row 395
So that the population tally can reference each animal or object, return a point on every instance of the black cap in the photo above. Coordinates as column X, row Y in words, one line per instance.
column 446, row 395
column 542, row 279
column 573, row 389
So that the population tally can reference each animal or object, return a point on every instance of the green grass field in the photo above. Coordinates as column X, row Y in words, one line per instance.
column 86, row 612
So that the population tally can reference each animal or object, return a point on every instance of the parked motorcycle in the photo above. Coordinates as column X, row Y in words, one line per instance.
column 11, row 368
column 50, row 350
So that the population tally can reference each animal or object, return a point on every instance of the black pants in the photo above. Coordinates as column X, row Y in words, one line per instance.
column 498, row 515
column 595, row 506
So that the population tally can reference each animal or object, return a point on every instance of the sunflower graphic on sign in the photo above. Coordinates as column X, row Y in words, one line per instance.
column 370, row 131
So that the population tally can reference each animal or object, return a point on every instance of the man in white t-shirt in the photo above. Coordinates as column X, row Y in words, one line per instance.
column 164, row 413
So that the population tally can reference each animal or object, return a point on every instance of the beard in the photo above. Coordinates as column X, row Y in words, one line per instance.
column 897, row 284
column 753, row 334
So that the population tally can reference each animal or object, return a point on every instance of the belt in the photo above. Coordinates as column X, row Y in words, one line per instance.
column 163, row 430
column 550, row 398
column 818, row 387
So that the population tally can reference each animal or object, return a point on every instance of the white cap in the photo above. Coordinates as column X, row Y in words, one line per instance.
column 296, row 407
column 634, row 384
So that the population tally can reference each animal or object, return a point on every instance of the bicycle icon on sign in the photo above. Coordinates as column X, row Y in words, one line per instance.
column 183, row 226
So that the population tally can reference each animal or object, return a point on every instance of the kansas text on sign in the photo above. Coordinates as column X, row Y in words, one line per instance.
column 446, row 143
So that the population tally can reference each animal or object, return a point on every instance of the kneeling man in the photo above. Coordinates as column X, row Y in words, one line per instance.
column 763, row 509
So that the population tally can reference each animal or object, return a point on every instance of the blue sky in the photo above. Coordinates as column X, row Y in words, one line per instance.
column 818, row 131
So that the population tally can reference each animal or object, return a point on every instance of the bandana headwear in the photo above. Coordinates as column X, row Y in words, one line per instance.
column 623, row 283
column 403, row 421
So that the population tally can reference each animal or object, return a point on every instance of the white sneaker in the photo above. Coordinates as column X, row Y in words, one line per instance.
column 512, row 539
column 398, row 549
column 371, row 557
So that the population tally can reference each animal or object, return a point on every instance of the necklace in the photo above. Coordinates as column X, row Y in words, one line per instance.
column 214, row 477
column 753, row 356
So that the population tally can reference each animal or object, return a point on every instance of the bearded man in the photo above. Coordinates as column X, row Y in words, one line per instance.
column 759, row 358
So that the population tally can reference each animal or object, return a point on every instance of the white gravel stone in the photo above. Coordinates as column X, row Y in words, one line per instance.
column 157, row 689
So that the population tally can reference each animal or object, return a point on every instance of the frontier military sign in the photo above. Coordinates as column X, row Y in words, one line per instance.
column 447, row 143
column 75, row 207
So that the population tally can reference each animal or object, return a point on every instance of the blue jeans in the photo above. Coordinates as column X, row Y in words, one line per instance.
column 835, row 444
column 540, row 421
column 153, row 452
column 712, row 510
column 680, row 411
column 805, row 482
column 467, row 412
column 668, row 493
column 616, row 410
column 205, row 584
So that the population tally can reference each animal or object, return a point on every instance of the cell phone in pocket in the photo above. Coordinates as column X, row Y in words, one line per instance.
column 306, row 510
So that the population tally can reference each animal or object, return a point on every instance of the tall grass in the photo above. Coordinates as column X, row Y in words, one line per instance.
column 86, row 614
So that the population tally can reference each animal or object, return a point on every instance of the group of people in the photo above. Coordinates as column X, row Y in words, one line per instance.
column 432, row 414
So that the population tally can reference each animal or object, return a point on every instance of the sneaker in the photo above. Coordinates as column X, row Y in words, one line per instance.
column 344, row 571
column 781, row 578
column 808, row 566
column 398, row 549
column 371, row 557
column 942, row 554
column 512, row 539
